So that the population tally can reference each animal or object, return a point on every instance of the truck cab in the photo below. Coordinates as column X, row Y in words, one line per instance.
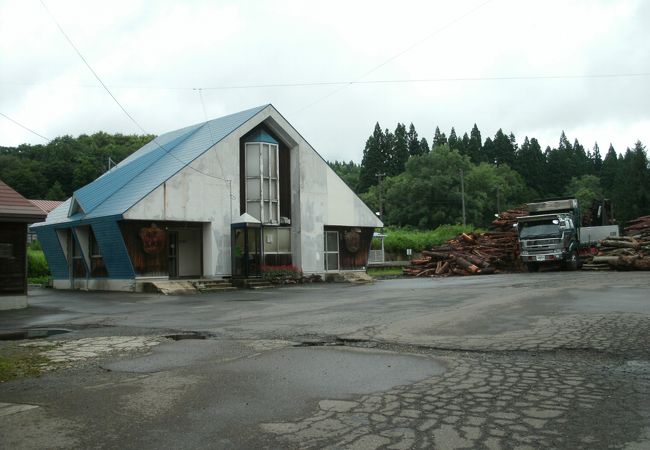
column 550, row 234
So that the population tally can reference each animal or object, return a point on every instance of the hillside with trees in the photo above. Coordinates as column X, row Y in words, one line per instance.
column 55, row 170
column 421, row 186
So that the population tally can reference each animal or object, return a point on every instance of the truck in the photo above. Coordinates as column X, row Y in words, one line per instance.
column 552, row 232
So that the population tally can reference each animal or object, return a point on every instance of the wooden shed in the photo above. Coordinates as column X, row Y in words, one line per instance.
column 16, row 212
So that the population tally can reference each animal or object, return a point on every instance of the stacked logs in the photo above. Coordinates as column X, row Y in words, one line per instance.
column 494, row 251
column 630, row 252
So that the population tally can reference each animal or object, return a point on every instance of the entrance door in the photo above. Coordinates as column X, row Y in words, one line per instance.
column 246, row 252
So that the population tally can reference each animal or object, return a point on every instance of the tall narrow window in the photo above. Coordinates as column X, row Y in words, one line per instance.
column 78, row 263
column 97, row 266
column 262, row 174
column 331, row 250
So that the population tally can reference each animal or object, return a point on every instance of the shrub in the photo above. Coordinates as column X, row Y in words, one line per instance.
column 36, row 264
column 290, row 271
column 397, row 240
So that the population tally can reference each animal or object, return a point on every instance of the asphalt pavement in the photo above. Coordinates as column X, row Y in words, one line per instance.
column 546, row 360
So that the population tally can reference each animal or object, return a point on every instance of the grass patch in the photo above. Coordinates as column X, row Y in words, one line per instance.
column 21, row 362
column 38, row 280
column 384, row 271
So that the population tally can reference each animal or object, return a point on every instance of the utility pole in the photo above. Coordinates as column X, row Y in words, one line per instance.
column 381, row 195
column 462, row 195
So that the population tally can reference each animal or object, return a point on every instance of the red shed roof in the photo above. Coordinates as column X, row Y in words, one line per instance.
column 15, row 207
column 46, row 205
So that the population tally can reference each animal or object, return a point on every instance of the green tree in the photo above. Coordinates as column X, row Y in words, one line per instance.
column 586, row 189
column 373, row 161
column 531, row 165
column 491, row 189
column 399, row 152
column 631, row 191
column 453, row 140
column 414, row 146
column 596, row 160
column 424, row 146
column 55, row 192
column 439, row 138
column 475, row 148
column 348, row 171
column 609, row 170
column 427, row 193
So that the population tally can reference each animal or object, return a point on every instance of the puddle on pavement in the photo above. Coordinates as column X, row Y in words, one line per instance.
column 40, row 333
column 340, row 371
column 241, row 387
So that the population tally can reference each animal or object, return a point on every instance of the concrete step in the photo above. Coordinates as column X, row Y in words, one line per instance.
column 214, row 285
column 170, row 287
column 253, row 283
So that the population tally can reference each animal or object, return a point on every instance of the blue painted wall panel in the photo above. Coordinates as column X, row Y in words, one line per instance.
column 111, row 244
column 53, row 252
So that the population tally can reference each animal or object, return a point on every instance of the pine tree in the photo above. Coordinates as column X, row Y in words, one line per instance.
column 464, row 145
column 453, row 139
column 609, row 170
column 439, row 138
column 531, row 164
column 475, row 149
column 424, row 146
column 399, row 151
column 373, row 160
column 596, row 160
column 413, row 142
column 55, row 192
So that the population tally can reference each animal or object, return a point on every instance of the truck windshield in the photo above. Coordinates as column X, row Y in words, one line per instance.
column 539, row 229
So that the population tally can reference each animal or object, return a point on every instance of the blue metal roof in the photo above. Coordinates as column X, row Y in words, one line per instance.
column 136, row 176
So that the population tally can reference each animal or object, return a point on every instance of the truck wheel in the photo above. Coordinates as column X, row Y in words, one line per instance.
column 532, row 267
column 572, row 262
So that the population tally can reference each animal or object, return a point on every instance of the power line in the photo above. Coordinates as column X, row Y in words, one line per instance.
column 351, row 82
column 155, row 141
column 397, row 55
column 24, row 127
column 89, row 67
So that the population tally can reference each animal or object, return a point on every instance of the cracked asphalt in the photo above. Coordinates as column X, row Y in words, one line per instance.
column 547, row 360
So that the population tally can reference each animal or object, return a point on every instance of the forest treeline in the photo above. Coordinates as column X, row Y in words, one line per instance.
column 421, row 185
column 53, row 171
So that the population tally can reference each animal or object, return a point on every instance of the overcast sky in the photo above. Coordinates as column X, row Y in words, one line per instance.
column 553, row 54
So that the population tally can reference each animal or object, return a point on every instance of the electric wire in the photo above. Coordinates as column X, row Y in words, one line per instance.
column 352, row 82
column 24, row 127
column 154, row 140
column 397, row 55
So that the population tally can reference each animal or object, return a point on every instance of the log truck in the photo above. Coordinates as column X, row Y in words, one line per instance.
column 551, row 233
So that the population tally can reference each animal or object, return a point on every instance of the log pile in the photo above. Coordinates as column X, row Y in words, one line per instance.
column 494, row 251
column 629, row 252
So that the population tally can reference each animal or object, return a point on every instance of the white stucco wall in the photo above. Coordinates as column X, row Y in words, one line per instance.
column 319, row 198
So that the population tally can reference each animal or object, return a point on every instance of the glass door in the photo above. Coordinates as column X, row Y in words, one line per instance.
column 246, row 251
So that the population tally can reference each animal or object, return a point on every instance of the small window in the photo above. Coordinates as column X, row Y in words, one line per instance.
column 277, row 246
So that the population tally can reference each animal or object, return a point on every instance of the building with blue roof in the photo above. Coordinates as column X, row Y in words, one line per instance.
column 229, row 197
